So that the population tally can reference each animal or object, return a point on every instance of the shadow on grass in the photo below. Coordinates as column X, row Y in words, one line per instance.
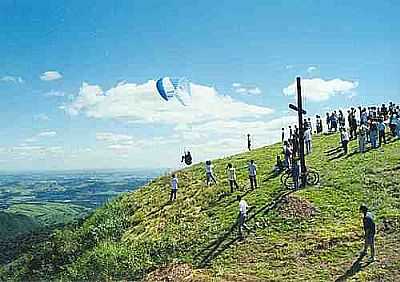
column 159, row 209
column 342, row 154
column 223, row 242
column 333, row 151
column 356, row 267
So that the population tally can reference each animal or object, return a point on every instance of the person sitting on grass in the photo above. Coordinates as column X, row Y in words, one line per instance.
column 369, row 233
column 209, row 173
column 174, row 187
column 242, row 216
column 252, row 168
column 232, row 177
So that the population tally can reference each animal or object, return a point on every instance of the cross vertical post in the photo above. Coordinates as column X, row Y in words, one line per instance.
column 301, row 134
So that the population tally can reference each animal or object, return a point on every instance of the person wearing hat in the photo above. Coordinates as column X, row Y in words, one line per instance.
column 369, row 232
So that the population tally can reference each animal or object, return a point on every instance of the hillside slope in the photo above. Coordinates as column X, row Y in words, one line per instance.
column 313, row 234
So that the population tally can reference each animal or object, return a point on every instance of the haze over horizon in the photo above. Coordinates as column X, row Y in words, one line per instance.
column 77, row 82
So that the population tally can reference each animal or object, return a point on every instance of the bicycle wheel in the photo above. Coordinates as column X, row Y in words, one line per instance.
column 312, row 178
column 284, row 175
column 289, row 182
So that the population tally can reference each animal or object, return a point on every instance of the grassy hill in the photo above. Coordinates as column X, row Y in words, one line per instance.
column 314, row 234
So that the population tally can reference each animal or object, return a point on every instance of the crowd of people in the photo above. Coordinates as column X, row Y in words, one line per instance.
column 367, row 125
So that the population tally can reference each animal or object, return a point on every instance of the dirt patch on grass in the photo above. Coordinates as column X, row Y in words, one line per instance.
column 171, row 273
column 295, row 207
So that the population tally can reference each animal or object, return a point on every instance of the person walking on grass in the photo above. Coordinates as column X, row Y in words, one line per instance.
column 174, row 187
column 369, row 233
column 209, row 173
column 242, row 216
column 232, row 177
column 248, row 142
column 345, row 140
column 252, row 168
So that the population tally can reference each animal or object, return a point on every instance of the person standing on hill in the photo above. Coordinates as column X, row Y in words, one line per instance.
column 381, row 129
column 209, row 173
column 369, row 233
column 373, row 134
column 362, row 138
column 353, row 124
column 307, row 140
column 319, row 124
column 242, row 216
column 345, row 140
column 334, row 121
column 174, row 187
column 342, row 120
column 252, row 168
column 295, row 173
column 328, row 122
column 248, row 142
column 283, row 134
column 232, row 177
column 288, row 154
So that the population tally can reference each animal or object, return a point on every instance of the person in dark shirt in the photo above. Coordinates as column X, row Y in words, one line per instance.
column 248, row 142
column 369, row 232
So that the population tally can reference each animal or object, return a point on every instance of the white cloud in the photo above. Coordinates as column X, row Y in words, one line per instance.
column 54, row 93
column 311, row 69
column 14, row 79
column 50, row 75
column 113, row 137
column 47, row 134
column 288, row 67
column 41, row 117
column 30, row 140
column 318, row 89
column 142, row 104
column 249, row 90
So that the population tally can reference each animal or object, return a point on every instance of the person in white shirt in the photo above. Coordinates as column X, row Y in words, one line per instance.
column 209, row 173
column 232, row 177
column 307, row 140
column 345, row 140
column 243, row 207
column 174, row 187
column 252, row 168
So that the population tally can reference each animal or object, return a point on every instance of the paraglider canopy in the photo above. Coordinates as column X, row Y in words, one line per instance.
column 179, row 88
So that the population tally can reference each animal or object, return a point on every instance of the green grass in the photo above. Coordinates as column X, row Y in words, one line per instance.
column 142, row 232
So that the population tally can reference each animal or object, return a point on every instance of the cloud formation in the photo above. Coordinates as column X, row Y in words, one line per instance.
column 50, row 75
column 54, row 93
column 246, row 90
column 142, row 104
column 317, row 89
column 311, row 69
column 47, row 134
column 14, row 79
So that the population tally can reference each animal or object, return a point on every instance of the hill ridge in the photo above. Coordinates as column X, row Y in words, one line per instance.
column 142, row 232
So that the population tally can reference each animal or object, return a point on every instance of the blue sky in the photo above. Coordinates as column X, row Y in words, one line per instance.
column 241, row 56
